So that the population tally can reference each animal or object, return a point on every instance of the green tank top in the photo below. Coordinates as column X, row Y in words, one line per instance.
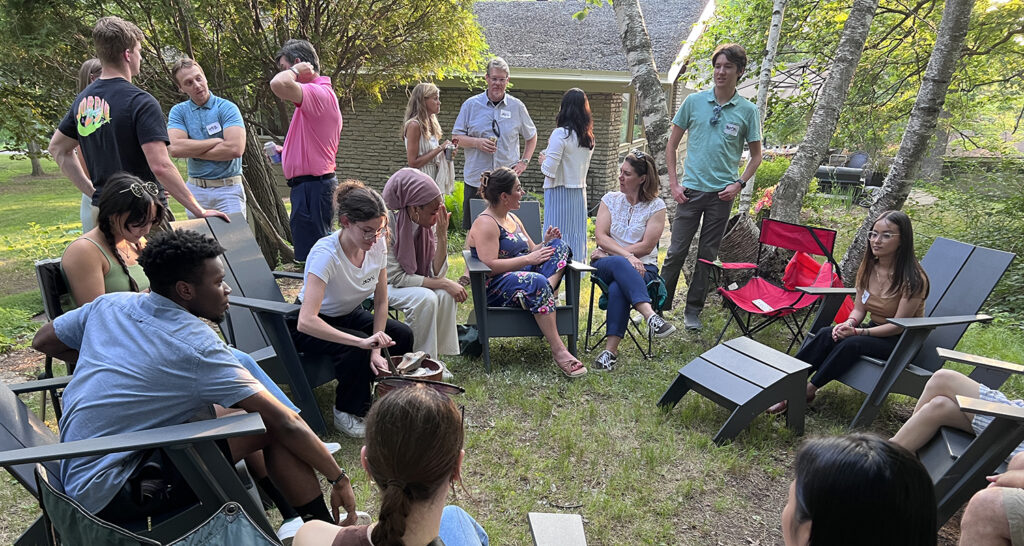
column 114, row 281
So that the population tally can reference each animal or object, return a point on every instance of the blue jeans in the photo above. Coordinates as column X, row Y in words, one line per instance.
column 312, row 212
column 460, row 529
column 626, row 288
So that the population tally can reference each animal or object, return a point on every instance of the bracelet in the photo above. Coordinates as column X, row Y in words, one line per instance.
column 335, row 481
column 294, row 70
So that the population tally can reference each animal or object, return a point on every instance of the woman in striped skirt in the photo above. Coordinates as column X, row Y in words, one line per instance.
column 565, row 163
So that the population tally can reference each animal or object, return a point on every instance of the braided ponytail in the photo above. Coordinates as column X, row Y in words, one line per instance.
column 413, row 444
column 108, row 235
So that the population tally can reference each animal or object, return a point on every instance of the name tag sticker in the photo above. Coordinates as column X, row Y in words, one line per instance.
column 731, row 129
column 506, row 114
column 213, row 128
column 864, row 298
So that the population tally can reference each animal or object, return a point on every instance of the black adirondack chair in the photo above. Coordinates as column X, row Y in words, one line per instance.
column 957, row 461
column 25, row 440
column 515, row 322
column 53, row 289
column 961, row 277
column 255, row 323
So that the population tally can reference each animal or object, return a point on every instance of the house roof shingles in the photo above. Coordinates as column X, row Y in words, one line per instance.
column 544, row 35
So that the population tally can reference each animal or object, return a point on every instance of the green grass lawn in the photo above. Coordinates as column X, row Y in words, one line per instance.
column 536, row 441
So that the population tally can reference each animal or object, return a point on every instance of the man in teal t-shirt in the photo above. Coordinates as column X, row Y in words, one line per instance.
column 719, row 122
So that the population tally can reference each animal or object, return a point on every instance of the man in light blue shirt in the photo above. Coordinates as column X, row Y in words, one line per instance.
column 719, row 122
column 488, row 128
column 209, row 131
column 146, row 361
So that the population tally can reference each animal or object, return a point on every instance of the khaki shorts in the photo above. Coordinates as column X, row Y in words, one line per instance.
column 1013, row 504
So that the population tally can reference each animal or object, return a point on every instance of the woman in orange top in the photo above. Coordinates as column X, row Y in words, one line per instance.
column 890, row 284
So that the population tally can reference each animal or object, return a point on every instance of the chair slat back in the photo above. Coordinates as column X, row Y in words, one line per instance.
column 20, row 428
column 52, row 286
column 528, row 213
column 961, row 278
column 242, row 274
column 797, row 237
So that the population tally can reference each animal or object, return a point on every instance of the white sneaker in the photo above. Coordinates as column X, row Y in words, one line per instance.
column 349, row 425
column 332, row 447
column 288, row 530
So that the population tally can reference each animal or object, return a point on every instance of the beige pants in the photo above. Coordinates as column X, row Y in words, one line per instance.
column 431, row 316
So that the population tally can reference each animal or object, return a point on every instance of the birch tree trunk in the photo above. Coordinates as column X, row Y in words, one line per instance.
column 763, row 85
column 949, row 41
column 651, row 103
column 789, row 196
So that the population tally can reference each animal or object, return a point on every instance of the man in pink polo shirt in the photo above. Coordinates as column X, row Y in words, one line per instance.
column 311, row 145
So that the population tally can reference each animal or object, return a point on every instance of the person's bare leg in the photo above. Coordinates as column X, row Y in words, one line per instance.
column 645, row 309
column 612, row 344
column 549, row 328
column 936, row 408
column 984, row 522
column 555, row 279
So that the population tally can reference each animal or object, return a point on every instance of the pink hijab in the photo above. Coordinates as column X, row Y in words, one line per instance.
column 414, row 244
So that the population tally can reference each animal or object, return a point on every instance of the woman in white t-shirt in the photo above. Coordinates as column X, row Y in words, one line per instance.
column 342, row 270
column 629, row 224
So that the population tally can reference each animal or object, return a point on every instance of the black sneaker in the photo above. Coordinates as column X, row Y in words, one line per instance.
column 659, row 326
column 605, row 361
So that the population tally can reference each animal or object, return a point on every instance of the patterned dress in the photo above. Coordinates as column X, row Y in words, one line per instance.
column 529, row 287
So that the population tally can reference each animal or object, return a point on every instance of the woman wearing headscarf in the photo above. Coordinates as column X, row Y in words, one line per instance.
column 418, row 261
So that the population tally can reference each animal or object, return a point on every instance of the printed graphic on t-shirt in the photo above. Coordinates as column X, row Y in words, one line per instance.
column 93, row 112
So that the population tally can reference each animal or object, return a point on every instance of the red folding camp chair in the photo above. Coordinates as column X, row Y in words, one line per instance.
column 760, row 303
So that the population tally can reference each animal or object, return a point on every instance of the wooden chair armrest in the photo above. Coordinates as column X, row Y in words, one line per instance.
column 581, row 267
column 276, row 307
column 40, row 385
column 187, row 433
column 827, row 291
column 935, row 322
column 994, row 409
column 288, row 275
column 980, row 361
column 474, row 265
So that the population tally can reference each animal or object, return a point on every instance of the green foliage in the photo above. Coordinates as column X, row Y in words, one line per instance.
column 453, row 203
column 985, row 94
column 982, row 206
column 16, row 325
column 770, row 172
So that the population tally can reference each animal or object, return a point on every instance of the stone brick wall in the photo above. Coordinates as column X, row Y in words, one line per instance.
column 372, row 149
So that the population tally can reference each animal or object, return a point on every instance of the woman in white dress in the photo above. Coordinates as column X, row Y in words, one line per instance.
column 422, row 133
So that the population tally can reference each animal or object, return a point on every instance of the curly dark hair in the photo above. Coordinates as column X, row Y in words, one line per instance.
column 178, row 255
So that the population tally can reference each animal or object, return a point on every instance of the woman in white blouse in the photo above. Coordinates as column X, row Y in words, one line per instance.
column 629, row 223
column 565, row 163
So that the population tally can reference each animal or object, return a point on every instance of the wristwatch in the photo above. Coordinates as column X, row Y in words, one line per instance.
column 523, row 161
column 741, row 183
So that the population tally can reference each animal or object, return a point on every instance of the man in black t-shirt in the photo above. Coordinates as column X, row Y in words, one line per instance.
column 119, row 126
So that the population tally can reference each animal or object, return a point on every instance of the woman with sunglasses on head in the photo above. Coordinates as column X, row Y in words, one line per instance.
column 105, row 258
column 523, row 273
column 890, row 284
column 565, row 163
column 629, row 224
column 418, row 261
column 413, row 452
column 343, row 269
column 858, row 489
column 422, row 134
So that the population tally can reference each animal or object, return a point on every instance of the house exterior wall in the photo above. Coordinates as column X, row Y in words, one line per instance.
column 371, row 148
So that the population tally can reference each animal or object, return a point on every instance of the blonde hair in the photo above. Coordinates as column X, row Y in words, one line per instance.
column 417, row 109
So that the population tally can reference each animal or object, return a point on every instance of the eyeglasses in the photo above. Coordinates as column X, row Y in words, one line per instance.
column 885, row 235
column 638, row 154
column 716, row 114
column 370, row 235
column 496, row 128
column 138, row 188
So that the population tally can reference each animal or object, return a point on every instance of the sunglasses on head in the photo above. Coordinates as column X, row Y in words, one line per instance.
column 138, row 188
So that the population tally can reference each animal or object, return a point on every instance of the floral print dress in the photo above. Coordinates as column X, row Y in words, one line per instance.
column 529, row 287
